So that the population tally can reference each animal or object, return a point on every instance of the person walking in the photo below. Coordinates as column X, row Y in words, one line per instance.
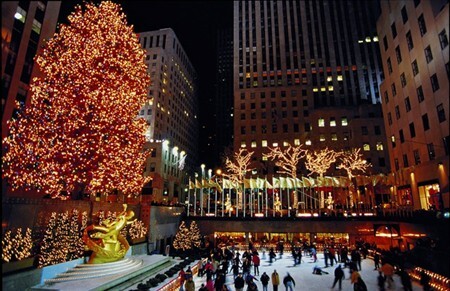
column 275, row 280
column 388, row 272
column 376, row 260
column 289, row 282
column 256, row 262
column 182, row 276
column 380, row 281
column 338, row 276
column 239, row 282
column 405, row 279
column 189, row 285
column 358, row 282
column 272, row 255
column 265, row 281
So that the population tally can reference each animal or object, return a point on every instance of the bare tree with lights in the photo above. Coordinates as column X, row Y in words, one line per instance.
column 352, row 162
column 236, row 169
column 288, row 161
column 318, row 162
column 81, row 132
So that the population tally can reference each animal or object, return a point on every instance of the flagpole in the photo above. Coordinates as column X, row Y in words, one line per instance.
column 243, row 198
column 281, row 200
column 267, row 198
column 273, row 198
column 288, row 199
column 223, row 193
column 195, row 199
column 189, row 196
column 215, row 200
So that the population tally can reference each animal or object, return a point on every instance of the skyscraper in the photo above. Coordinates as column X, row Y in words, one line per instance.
column 25, row 27
column 415, row 54
column 307, row 72
column 171, row 113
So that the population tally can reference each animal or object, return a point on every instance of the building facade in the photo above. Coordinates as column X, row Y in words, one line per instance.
column 307, row 72
column 415, row 55
column 25, row 27
column 171, row 113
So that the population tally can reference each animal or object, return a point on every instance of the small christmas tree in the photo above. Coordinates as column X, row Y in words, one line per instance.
column 137, row 230
column 194, row 233
column 7, row 246
column 182, row 239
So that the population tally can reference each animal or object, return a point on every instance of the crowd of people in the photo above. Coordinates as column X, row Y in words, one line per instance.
column 244, row 268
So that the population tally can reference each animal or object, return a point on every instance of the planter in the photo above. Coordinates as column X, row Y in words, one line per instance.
column 135, row 241
column 18, row 265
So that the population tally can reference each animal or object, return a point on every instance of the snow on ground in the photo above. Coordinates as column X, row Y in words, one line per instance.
column 307, row 281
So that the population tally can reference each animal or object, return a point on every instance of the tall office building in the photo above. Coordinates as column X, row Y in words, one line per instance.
column 25, row 27
column 171, row 113
column 415, row 54
column 222, row 136
column 307, row 72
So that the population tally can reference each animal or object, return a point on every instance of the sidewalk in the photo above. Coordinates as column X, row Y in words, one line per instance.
column 306, row 281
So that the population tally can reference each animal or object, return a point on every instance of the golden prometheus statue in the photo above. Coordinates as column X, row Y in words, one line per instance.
column 105, row 240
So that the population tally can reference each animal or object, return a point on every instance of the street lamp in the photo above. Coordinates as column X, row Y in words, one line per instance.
column 201, row 192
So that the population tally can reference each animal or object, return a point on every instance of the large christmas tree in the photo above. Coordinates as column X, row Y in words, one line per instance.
column 81, row 132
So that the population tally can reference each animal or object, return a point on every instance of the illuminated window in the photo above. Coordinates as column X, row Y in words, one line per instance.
column 275, row 144
column 330, row 88
column 296, row 142
column 323, row 89
column 329, row 79
column 20, row 14
column 243, row 145
column 334, row 137
column 332, row 122
column 322, row 137
column 321, row 122
column 264, row 158
column 379, row 146
column 308, row 142
column 339, row 78
column 285, row 143
column 344, row 121
column 253, row 144
column 315, row 90
column 36, row 26
column 366, row 147
column 264, row 143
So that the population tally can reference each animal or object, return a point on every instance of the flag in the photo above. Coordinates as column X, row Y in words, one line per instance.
column 328, row 181
column 283, row 183
column 290, row 183
column 191, row 185
column 306, row 182
column 226, row 184
column 299, row 183
column 275, row 182
column 198, row 185
column 335, row 181
column 259, row 183
column 267, row 184
column 247, row 183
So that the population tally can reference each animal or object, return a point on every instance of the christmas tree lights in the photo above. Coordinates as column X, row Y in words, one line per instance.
column 194, row 233
column 182, row 240
column 81, row 131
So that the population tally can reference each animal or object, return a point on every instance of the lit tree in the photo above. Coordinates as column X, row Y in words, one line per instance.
column 182, row 240
column 137, row 229
column 22, row 244
column 75, row 241
column 236, row 169
column 81, row 132
column 351, row 162
column 49, row 254
column 318, row 162
column 7, row 246
column 194, row 233
column 287, row 161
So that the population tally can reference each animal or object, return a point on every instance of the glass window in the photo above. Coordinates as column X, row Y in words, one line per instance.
column 403, row 80
column 243, row 145
column 405, row 161
column 407, row 104
column 422, row 26
column 344, row 121
column 253, row 145
column 389, row 118
column 415, row 67
column 364, row 130
column 428, row 54
column 264, row 143
column 412, row 130
column 386, row 97
column 425, row 122
column 431, row 152
column 404, row 15
column 397, row 112
column 332, row 122
column 321, row 122
column 20, row 14
column 402, row 137
column 394, row 30
column 398, row 54
column 420, row 95
column 409, row 40
column 379, row 146
column 394, row 90
column 334, row 136
column 443, row 39
column 385, row 42
column 389, row 65
column 441, row 113
column 416, row 157
column 297, row 142
column 434, row 83
column 322, row 137
column 366, row 147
